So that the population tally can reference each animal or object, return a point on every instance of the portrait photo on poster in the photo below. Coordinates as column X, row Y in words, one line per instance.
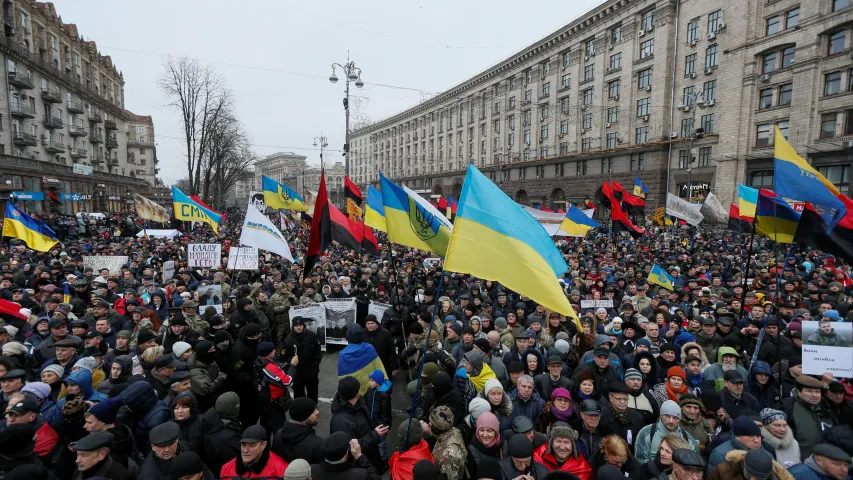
column 340, row 314
column 315, row 319
column 829, row 334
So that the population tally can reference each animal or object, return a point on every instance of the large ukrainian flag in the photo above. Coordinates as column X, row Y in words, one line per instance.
column 794, row 178
column 374, row 212
column 281, row 197
column 576, row 223
column 18, row 224
column 359, row 359
column 747, row 198
column 658, row 276
column 775, row 218
column 412, row 221
column 189, row 210
column 495, row 239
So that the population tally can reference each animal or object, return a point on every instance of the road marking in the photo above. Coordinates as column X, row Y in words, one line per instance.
column 324, row 400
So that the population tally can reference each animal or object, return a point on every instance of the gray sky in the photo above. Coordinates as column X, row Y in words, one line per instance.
column 276, row 55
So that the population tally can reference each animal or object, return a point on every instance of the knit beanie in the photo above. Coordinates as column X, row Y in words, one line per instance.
column 676, row 371
column 488, row 420
column 57, row 369
column 14, row 348
column 500, row 323
column 757, row 464
column 228, row 404
column 39, row 389
column 301, row 408
column 492, row 384
column 125, row 334
column 106, row 411
column 633, row 373
column 180, row 348
column 670, row 408
column 769, row 415
column 744, row 427
column 478, row 406
column 416, row 433
column 562, row 346
column 88, row 363
column 348, row 388
column 298, row 469
column 690, row 399
column 425, row 470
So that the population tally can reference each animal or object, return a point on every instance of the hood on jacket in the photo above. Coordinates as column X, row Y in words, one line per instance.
column 139, row 397
column 760, row 366
column 726, row 350
column 599, row 339
column 355, row 334
column 702, row 354
column 651, row 358
column 386, row 386
column 736, row 458
column 291, row 433
column 475, row 358
column 126, row 366
column 83, row 378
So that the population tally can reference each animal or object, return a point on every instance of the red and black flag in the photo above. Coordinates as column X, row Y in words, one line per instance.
column 736, row 222
column 53, row 198
column 351, row 191
column 364, row 235
column 634, row 205
column 328, row 224
column 621, row 223
column 811, row 231
column 618, row 191
column 589, row 204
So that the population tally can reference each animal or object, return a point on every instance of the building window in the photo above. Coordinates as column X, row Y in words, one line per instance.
column 708, row 123
column 586, row 121
column 647, row 21
column 840, row 4
column 839, row 175
column 788, row 55
column 543, row 153
column 567, row 59
column 763, row 134
column 773, row 25
column 528, row 76
column 644, row 78
column 564, row 127
column 544, row 111
column 546, row 89
column 606, row 165
column 784, row 126
column 714, row 20
column 687, row 127
column 616, row 61
column 616, row 34
column 827, row 125
column 522, row 171
column 509, row 107
column 711, row 56
column 693, row 31
column 513, row 84
column 612, row 140
column 792, row 18
column 690, row 64
column 832, row 83
column 836, row 43
column 588, row 72
column 642, row 135
column 638, row 162
column 543, row 132
column 683, row 159
column 647, row 48
column 612, row 114
column 510, row 140
column 564, row 148
column 527, row 136
column 587, row 97
column 761, row 179
column 765, row 98
column 768, row 63
column 565, row 105
column 709, row 90
column 785, row 93
column 560, row 170
column 643, row 106
column 613, row 89
column 586, row 144
column 704, row 157
column 590, row 48
column 687, row 96
column 581, row 168
column 848, row 122
column 496, row 126
column 566, row 81
column 528, row 95
column 546, row 68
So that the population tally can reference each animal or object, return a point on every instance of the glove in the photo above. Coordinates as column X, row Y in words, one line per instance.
column 220, row 379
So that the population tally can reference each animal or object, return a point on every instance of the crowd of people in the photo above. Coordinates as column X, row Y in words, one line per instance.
column 139, row 373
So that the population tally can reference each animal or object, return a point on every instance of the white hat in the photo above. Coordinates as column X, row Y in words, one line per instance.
column 180, row 348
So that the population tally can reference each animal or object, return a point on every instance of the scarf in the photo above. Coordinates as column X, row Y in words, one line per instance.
column 560, row 415
column 674, row 393
column 584, row 396
column 485, row 375
column 495, row 441
column 621, row 417
column 695, row 380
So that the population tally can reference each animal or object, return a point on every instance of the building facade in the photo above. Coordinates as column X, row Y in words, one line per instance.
column 64, row 131
column 637, row 88
column 285, row 168
column 238, row 195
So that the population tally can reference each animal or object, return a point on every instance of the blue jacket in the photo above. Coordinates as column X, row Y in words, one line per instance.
column 148, row 411
column 83, row 378
column 531, row 408
column 803, row 471
column 767, row 395
column 718, row 456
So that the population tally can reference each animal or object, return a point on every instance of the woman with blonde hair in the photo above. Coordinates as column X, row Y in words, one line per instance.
column 661, row 467
column 614, row 451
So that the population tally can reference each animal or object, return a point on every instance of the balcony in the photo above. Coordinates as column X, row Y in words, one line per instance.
column 21, row 80
column 113, row 162
column 110, row 125
column 95, row 117
column 52, row 146
column 76, row 131
column 25, row 139
column 75, row 106
column 78, row 153
column 98, row 158
column 112, row 142
column 22, row 110
column 96, row 137
column 51, row 95
column 51, row 123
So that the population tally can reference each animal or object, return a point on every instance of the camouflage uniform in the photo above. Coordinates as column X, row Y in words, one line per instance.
column 278, row 311
column 449, row 451
column 832, row 339
column 305, row 299
column 194, row 320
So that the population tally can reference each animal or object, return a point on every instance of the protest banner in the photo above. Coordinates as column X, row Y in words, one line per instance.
column 713, row 210
column 243, row 258
column 256, row 199
column 606, row 303
column 340, row 314
column 111, row 262
column 168, row 270
column 680, row 208
column 377, row 309
column 819, row 359
column 204, row 255
column 315, row 320
column 432, row 263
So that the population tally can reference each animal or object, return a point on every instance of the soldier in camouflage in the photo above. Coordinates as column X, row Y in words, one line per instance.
column 449, row 452
column 279, row 314
column 310, row 295
column 826, row 336
column 194, row 320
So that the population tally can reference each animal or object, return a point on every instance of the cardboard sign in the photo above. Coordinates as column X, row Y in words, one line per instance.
column 113, row 263
column 607, row 303
column 818, row 359
column 204, row 255
column 315, row 320
column 432, row 262
column 243, row 258
column 168, row 270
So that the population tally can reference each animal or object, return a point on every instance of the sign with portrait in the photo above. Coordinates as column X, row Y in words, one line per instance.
column 315, row 320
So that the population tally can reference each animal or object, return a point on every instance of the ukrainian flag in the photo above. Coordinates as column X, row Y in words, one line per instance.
column 775, row 218
column 747, row 198
column 496, row 239
column 374, row 212
column 281, row 197
column 576, row 223
column 358, row 360
column 18, row 224
column 658, row 276
column 640, row 188
column 411, row 221
column 794, row 178
column 189, row 210
column 66, row 296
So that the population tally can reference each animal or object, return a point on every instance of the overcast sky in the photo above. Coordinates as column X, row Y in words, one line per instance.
column 276, row 55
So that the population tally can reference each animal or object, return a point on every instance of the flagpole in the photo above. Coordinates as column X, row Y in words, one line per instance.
column 746, row 271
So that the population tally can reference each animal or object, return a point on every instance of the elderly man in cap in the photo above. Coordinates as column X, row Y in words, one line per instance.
column 11, row 382
column 194, row 321
column 686, row 465
column 735, row 399
column 188, row 466
column 649, row 438
column 520, row 462
column 756, row 464
column 159, row 379
column 746, row 435
column 65, row 355
column 45, row 351
column 255, row 459
column 343, row 460
column 164, row 448
column 94, row 459
column 623, row 421
column 808, row 414
column 24, row 409
column 828, row 462
column 693, row 422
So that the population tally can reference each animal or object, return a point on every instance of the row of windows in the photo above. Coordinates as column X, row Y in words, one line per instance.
column 704, row 159
column 838, row 175
column 715, row 21
column 712, row 59
column 636, row 163
column 836, row 124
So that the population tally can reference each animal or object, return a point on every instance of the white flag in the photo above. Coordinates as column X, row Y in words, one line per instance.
column 259, row 231
column 713, row 210
column 680, row 208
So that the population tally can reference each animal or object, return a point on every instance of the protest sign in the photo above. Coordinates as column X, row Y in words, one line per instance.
column 340, row 314
column 713, row 210
column 168, row 270
column 377, row 309
column 820, row 359
column 680, row 208
column 432, row 262
column 204, row 255
column 315, row 320
column 606, row 303
column 243, row 258
column 111, row 262
column 831, row 334
column 256, row 199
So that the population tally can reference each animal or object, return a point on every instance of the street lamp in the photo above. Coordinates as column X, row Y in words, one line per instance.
column 322, row 142
column 353, row 74
column 697, row 99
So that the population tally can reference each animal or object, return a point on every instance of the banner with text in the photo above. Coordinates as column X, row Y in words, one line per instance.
column 204, row 255
column 111, row 262
column 243, row 258
column 680, row 208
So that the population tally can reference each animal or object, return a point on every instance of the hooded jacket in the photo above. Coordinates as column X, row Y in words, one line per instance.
column 767, row 395
column 732, row 468
column 787, row 449
column 298, row 440
column 83, row 378
column 647, row 445
column 222, row 439
column 354, row 420
column 714, row 373
column 652, row 378
column 141, row 399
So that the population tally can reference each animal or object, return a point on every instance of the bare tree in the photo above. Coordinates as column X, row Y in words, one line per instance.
column 184, row 185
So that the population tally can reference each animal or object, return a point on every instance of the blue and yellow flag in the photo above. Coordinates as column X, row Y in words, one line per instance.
column 640, row 188
column 576, row 223
column 358, row 360
column 496, row 239
column 36, row 234
column 374, row 211
column 412, row 221
column 775, row 218
column 795, row 179
column 658, row 276
column 281, row 197
column 747, row 198
column 66, row 296
column 189, row 210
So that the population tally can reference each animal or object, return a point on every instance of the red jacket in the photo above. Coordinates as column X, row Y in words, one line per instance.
column 274, row 467
column 576, row 466
column 46, row 439
column 402, row 463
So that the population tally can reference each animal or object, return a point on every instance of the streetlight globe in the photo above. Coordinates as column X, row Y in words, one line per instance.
column 333, row 78
column 315, row 144
column 359, row 83
column 352, row 76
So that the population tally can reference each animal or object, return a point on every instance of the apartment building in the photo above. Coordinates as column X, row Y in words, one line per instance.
column 637, row 88
column 64, row 129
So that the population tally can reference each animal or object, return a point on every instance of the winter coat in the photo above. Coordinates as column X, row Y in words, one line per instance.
column 775, row 348
column 787, row 449
column 720, row 453
column 205, row 381
column 477, row 451
column 310, row 354
column 153, row 468
column 108, row 469
column 297, row 440
column 148, row 411
column 631, row 469
column 268, row 466
column 378, row 403
column 354, row 420
column 734, row 406
column 732, row 468
column 192, row 430
column 535, row 469
column 808, row 422
column 767, row 395
column 652, row 378
column 701, row 430
column 808, row 470
column 649, row 438
column 544, row 385
column 384, row 346
column 402, row 463
column 530, row 408
column 629, row 430
column 83, row 378
column 576, row 464
column 603, row 377
column 502, row 411
column 359, row 469
column 714, row 373
column 222, row 439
